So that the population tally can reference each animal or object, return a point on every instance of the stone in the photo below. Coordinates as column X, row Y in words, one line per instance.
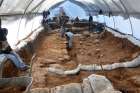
column 64, row 51
column 60, row 59
column 101, row 55
column 82, row 53
column 111, row 91
column 97, row 51
column 69, row 88
column 96, row 41
column 136, row 80
column 99, row 83
column 91, row 35
column 80, row 42
column 40, row 90
column 86, row 86
column 135, row 55
column 86, row 33
column 66, row 57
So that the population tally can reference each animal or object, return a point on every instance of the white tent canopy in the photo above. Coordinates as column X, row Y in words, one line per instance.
column 114, row 6
column 122, row 15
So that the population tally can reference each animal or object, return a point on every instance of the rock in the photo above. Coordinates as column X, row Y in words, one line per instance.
column 82, row 53
column 100, row 83
column 101, row 55
column 89, row 53
column 77, row 35
column 86, row 33
column 110, row 91
column 40, row 90
column 80, row 42
column 66, row 57
column 136, row 80
column 97, row 51
column 60, row 59
column 70, row 88
column 96, row 41
column 91, row 35
column 86, row 86
column 64, row 51
column 135, row 55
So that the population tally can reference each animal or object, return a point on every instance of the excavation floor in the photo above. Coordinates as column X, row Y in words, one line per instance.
column 88, row 48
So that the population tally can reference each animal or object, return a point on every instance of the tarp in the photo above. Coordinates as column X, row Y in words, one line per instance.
column 122, row 15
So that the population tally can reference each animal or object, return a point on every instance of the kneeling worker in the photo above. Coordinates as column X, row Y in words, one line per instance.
column 69, row 38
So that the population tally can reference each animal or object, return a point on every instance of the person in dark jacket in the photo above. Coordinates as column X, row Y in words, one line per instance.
column 45, row 20
column 8, row 52
column 90, row 23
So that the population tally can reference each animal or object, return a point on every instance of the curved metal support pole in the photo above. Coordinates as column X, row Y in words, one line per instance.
column 128, row 16
column 111, row 12
column 23, row 16
column 1, row 3
column 41, row 2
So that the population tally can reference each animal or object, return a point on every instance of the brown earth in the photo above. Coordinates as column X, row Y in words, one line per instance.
column 88, row 48
column 12, row 89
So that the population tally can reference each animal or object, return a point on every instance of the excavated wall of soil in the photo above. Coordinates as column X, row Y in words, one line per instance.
column 124, row 79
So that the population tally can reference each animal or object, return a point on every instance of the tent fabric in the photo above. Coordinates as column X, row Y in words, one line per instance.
column 114, row 6
column 122, row 15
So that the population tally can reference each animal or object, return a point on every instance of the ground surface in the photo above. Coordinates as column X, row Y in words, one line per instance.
column 88, row 49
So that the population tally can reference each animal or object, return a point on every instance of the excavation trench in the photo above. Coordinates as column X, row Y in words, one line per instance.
column 89, row 48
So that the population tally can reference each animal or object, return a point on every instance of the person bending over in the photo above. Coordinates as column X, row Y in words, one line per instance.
column 69, row 38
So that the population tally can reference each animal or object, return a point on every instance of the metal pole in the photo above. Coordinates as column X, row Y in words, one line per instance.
column 110, row 11
column 1, row 3
column 128, row 17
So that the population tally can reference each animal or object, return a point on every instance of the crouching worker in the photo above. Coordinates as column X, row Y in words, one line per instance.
column 69, row 38
column 8, row 52
column 100, row 27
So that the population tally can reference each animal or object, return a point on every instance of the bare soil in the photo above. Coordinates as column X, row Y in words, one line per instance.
column 12, row 89
column 88, row 49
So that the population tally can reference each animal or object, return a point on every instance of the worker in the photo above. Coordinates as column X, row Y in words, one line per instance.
column 8, row 52
column 77, row 19
column 45, row 20
column 90, row 23
column 100, row 27
column 62, row 21
column 69, row 38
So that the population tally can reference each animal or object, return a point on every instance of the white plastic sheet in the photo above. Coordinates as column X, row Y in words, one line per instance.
column 119, row 8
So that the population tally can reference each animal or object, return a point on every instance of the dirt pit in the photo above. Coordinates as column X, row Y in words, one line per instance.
column 89, row 48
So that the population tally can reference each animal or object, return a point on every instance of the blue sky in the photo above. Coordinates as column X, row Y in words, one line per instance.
column 71, row 9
